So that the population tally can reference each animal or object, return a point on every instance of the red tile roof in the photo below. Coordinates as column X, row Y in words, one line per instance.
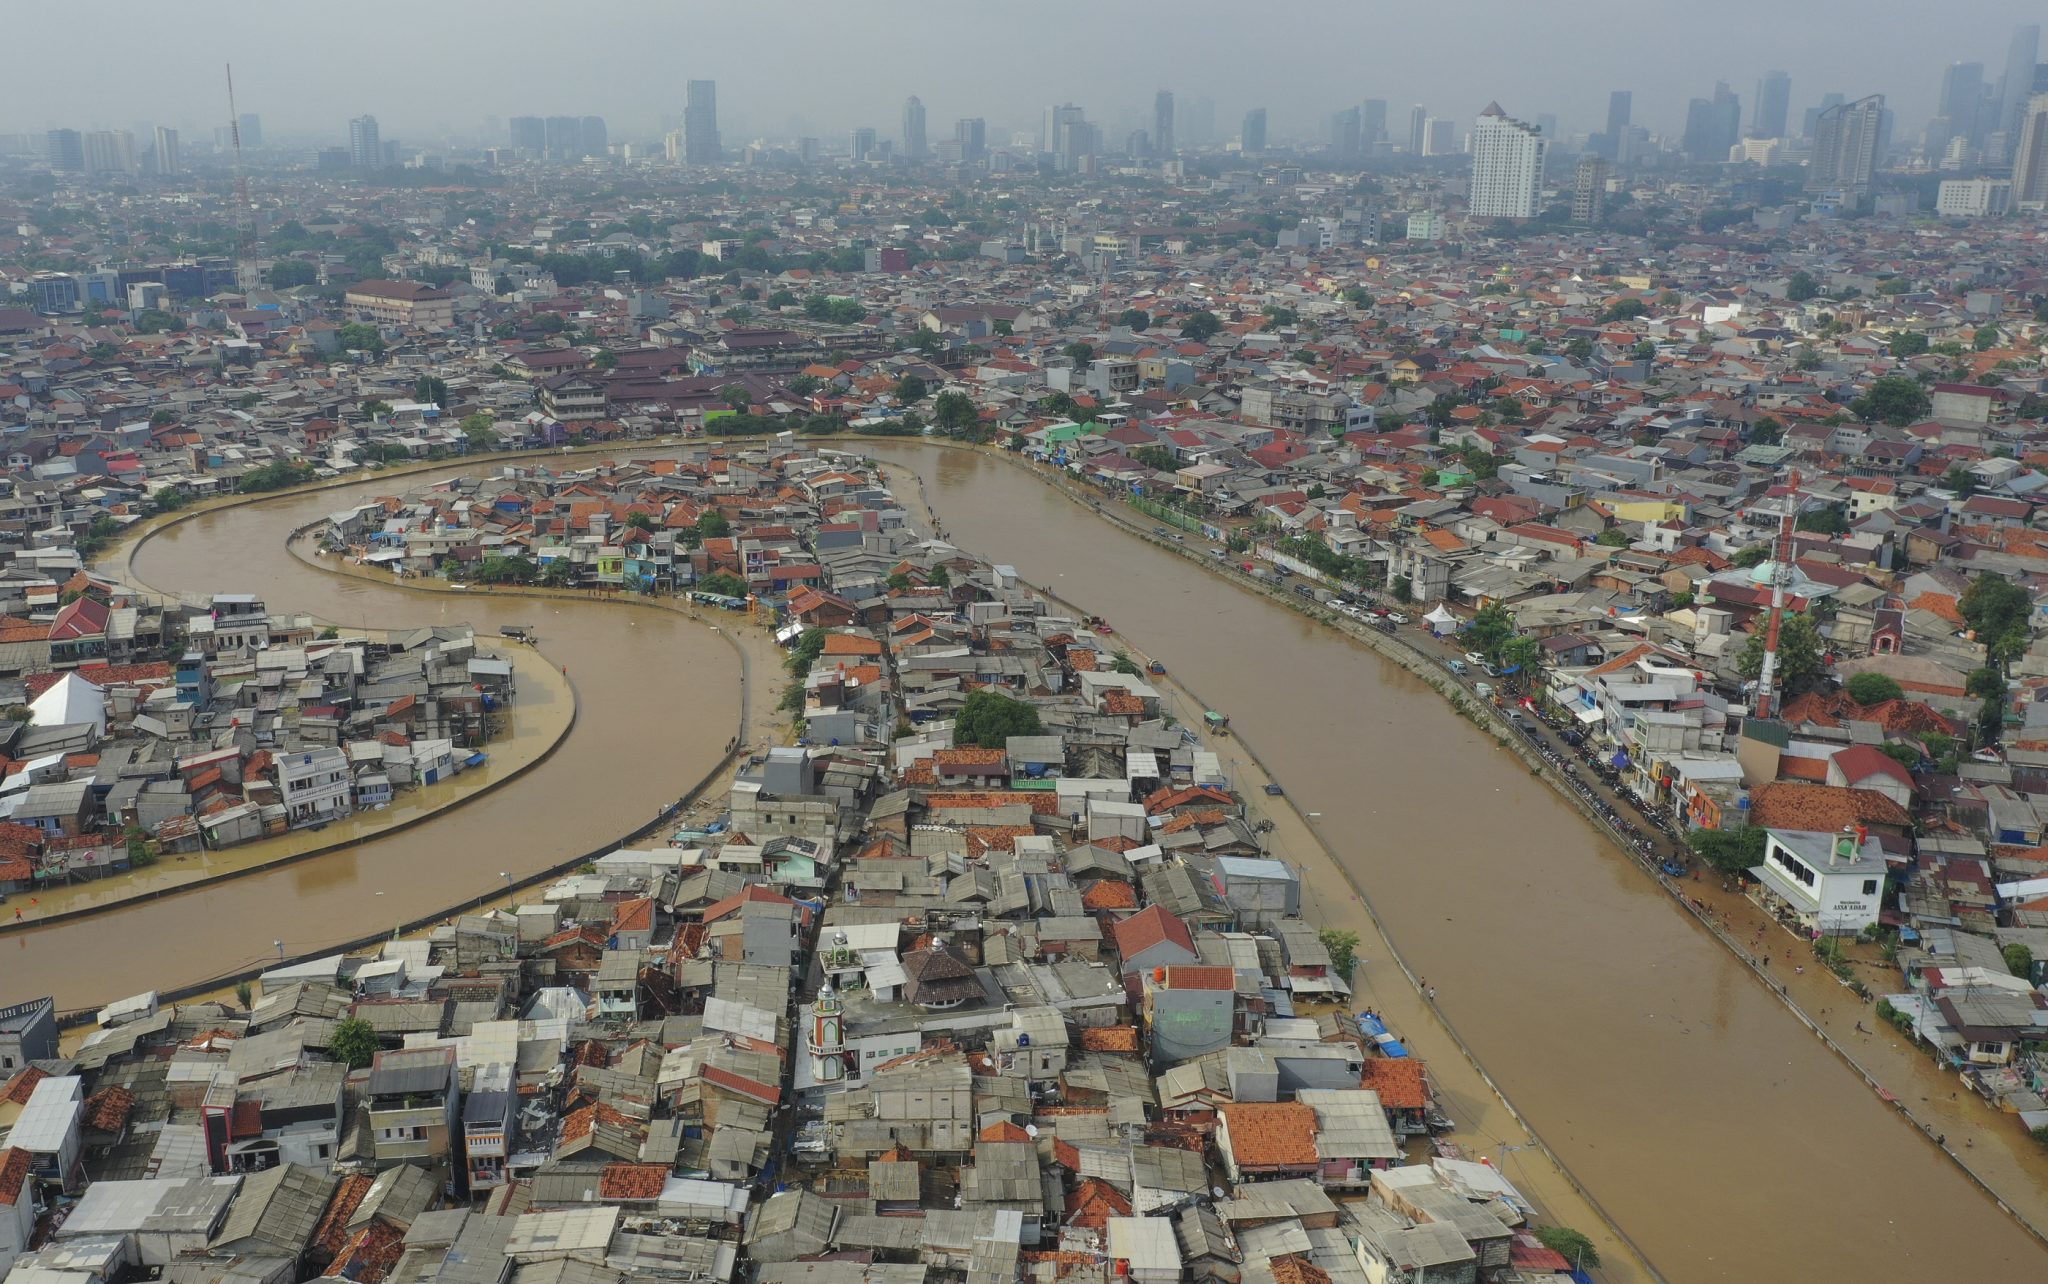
column 1147, row 928
column 1398, row 1080
column 1271, row 1134
column 632, row 1181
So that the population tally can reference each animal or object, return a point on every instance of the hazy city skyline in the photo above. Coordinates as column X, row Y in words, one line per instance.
column 787, row 68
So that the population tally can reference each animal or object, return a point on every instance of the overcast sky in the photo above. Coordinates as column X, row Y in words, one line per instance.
column 430, row 68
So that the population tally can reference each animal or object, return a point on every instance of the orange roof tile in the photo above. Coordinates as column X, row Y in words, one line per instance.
column 1398, row 1080
column 1271, row 1134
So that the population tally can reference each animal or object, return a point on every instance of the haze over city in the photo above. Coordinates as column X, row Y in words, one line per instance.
column 787, row 69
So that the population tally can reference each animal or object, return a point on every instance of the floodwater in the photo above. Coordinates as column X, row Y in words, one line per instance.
column 658, row 697
column 1714, row 1128
column 1720, row 1135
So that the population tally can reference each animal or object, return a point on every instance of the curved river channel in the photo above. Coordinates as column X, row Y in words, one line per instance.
column 1719, row 1133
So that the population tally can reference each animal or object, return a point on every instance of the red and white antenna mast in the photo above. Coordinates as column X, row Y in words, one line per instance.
column 1781, row 579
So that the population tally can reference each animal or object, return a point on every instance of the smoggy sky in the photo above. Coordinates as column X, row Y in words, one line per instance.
column 430, row 69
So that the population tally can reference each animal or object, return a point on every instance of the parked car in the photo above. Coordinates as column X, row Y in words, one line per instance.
column 1217, row 552
column 1305, row 591
column 1397, row 617
column 1473, row 657
column 1458, row 667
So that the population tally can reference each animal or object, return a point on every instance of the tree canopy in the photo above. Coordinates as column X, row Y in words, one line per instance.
column 1895, row 399
column 988, row 719
column 353, row 1042
column 1998, row 611
column 1799, row 652
column 1873, row 688
column 1729, row 850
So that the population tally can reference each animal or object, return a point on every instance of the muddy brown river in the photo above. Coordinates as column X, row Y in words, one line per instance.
column 1725, row 1139
column 658, row 697
column 1720, row 1134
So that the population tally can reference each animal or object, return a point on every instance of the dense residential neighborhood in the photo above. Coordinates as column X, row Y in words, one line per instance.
column 1707, row 479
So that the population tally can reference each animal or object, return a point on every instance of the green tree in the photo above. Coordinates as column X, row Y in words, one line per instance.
column 1907, row 343
column 723, row 583
column 1729, row 850
column 1489, row 628
column 605, row 360
column 1200, row 326
column 2019, row 960
column 1960, row 480
column 1868, row 689
column 910, row 390
column 478, row 430
column 640, row 521
column 287, row 273
column 1766, row 432
column 1999, row 612
column 1895, row 399
column 1134, row 318
column 1799, row 652
column 430, row 389
column 988, row 719
column 353, row 1042
column 1622, row 310
column 1611, row 538
column 954, row 411
column 1403, row 588
column 1830, row 519
column 357, row 336
column 1904, row 755
column 1986, row 337
column 1754, row 555
column 1280, row 317
column 1579, row 349
column 713, row 524
column 1800, row 286
column 1519, row 653
column 1357, row 297
column 810, row 644
column 1574, row 1246
column 1985, row 681
column 1343, row 948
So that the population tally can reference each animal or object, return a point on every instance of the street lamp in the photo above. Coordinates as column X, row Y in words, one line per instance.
column 279, row 946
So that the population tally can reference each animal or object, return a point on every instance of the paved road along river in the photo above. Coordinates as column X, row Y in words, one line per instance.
column 1713, row 1127
column 1728, row 1143
column 657, row 695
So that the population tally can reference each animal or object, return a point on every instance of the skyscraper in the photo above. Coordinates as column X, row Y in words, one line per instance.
column 251, row 126
column 1055, row 127
column 1439, row 136
column 1619, row 103
column 1418, row 118
column 110, row 151
column 1712, row 126
column 365, row 148
column 971, row 132
column 1962, row 95
column 167, row 150
column 1372, row 122
column 860, row 143
column 2030, row 158
column 592, row 139
column 700, row 123
column 1343, row 129
column 64, row 150
column 913, row 129
column 1847, row 142
column 1252, row 136
column 564, row 137
column 2015, row 87
column 1772, row 106
column 1811, row 122
column 529, row 134
column 1162, row 124
column 1507, row 166
column 1589, row 191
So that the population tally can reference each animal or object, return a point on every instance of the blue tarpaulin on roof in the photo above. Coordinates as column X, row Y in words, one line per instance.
column 1620, row 761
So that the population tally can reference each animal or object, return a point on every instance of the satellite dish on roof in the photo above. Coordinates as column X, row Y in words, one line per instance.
column 1031, row 1131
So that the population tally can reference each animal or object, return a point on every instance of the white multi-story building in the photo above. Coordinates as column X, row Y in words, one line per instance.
column 1507, row 166
column 1973, row 197
column 315, row 785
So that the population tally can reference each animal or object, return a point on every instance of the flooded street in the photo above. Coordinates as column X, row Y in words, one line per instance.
column 1727, row 1141
column 1719, row 1133
column 657, row 700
